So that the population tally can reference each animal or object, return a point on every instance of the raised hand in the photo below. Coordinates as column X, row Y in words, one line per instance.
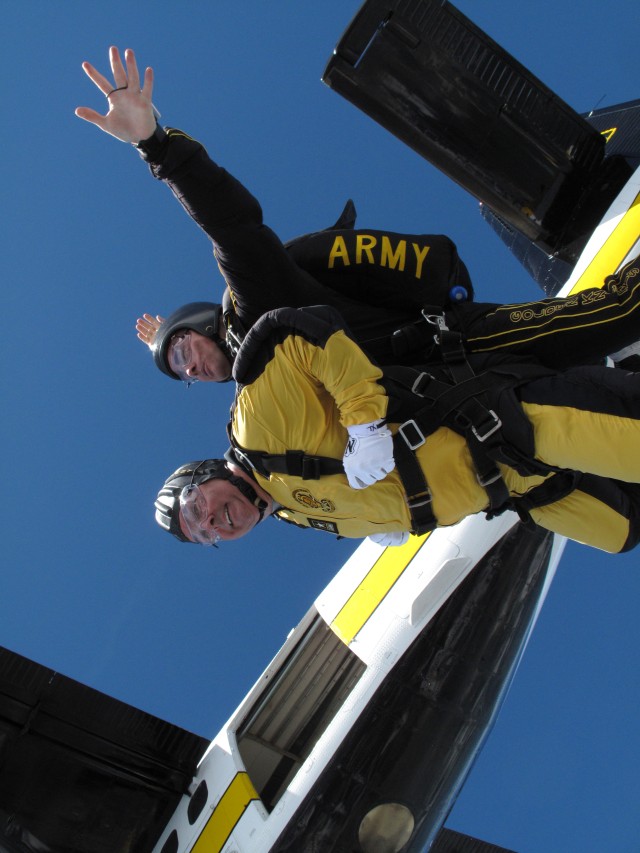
column 131, row 115
column 147, row 327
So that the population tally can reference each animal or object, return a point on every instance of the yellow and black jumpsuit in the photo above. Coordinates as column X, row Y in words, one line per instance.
column 379, row 280
column 302, row 381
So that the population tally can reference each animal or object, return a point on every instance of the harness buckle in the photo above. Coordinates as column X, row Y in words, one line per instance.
column 436, row 320
column 234, row 341
column 301, row 465
column 489, row 479
column 494, row 426
column 418, row 437
column 244, row 458
column 423, row 499
column 310, row 468
column 421, row 383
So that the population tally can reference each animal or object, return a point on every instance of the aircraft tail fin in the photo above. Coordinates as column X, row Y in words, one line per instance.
column 619, row 125
column 426, row 73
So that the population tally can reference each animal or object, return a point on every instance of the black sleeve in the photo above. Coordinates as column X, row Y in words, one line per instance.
column 257, row 268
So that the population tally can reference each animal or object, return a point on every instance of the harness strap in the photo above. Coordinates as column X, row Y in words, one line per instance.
column 235, row 329
column 410, row 339
column 457, row 406
column 415, row 486
column 410, row 437
column 419, row 498
column 413, row 337
column 453, row 354
column 457, row 403
column 480, row 425
column 477, row 421
column 295, row 463
column 553, row 489
column 460, row 405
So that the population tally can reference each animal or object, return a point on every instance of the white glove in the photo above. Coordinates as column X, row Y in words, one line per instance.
column 369, row 454
column 396, row 537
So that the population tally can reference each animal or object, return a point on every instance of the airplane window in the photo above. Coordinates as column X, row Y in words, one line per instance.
column 171, row 844
column 197, row 802
column 287, row 720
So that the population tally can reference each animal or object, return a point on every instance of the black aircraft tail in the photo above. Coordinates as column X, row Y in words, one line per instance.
column 425, row 72
column 619, row 125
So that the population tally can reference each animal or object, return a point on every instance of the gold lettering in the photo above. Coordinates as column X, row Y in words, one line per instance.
column 365, row 243
column 421, row 254
column 595, row 295
column 390, row 258
column 339, row 250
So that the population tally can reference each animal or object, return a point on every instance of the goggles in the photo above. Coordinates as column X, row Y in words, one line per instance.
column 195, row 515
column 179, row 356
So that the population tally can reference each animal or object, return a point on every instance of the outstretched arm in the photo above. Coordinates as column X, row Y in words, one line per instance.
column 257, row 268
column 131, row 116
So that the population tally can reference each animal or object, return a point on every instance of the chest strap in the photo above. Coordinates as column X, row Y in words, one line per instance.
column 295, row 463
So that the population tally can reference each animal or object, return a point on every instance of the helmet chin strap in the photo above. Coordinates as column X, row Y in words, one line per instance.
column 230, row 355
column 250, row 494
column 245, row 487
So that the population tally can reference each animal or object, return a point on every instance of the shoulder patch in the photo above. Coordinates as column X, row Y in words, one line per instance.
column 321, row 524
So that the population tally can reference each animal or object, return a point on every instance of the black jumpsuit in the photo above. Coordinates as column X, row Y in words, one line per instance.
column 378, row 280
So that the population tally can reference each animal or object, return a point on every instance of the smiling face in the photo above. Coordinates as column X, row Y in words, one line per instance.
column 193, row 357
column 223, row 512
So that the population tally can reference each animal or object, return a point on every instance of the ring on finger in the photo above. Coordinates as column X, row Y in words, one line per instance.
column 117, row 89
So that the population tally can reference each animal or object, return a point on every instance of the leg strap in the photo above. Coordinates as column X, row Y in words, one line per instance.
column 553, row 489
column 415, row 486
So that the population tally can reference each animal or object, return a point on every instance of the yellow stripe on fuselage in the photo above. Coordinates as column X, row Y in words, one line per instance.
column 614, row 249
column 226, row 815
column 375, row 586
column 605, row 262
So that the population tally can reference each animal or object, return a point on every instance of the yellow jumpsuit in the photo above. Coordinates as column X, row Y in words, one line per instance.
column 303, row 381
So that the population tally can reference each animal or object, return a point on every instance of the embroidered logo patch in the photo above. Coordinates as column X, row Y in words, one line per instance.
column 304, row 497
column 352, row 446
column 319, row 524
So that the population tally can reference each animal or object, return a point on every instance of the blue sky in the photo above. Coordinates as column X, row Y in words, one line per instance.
column 89, row 585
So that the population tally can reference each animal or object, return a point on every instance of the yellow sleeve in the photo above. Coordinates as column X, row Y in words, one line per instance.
column 347, row 374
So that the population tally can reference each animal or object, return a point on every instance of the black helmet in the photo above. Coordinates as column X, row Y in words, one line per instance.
column 201, row 317
column 167, row 503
